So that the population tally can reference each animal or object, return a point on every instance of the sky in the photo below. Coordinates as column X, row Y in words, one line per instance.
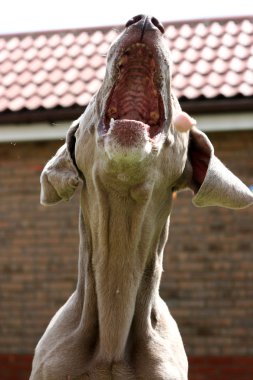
column 33, row 15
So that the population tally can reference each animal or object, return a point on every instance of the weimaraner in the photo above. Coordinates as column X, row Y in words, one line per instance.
column 131, row 149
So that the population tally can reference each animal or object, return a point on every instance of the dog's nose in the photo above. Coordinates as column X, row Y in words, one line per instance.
column 145, row 22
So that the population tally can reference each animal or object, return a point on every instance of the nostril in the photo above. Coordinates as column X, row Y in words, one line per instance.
column 157, row 24
column 134, row 20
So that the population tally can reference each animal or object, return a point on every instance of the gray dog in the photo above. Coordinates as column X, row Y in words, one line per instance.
column 131, row 149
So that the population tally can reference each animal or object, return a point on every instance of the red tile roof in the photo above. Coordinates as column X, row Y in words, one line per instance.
column 211, row 58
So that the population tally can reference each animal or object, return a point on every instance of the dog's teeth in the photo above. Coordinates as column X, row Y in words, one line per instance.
column 111, row 122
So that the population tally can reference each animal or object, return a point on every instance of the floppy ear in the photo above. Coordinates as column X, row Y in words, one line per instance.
column 212, row 183
column 59, row 178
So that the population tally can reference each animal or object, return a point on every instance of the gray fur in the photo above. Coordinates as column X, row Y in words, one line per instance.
column 115, row 325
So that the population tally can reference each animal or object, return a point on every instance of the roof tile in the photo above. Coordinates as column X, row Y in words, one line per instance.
column 171, row 32
column 45, row 53
column 30, row 54
column 55, row 76
column 34, row 102
column 12, row 92
column 69, row 39
column 179, row 81
column 40, row 41
column 16, row 55
column 54, row 40
column 93, row 86
column 77, row 87
column 208, row 54
column 197, row 80
column 215, row 80
column 186, row 31
column 45, row 89
column 83, row 99
column 35, row 65
column 245, row 39
column 61, row 88
column 9, row 79
column 6, row 67
column 20, row 66
column 191, row 92
column 51, row 63
column 216, row 29
column 241, row 51
column 89, row 49
column 250, row 63
column 191, row 55
column 209, row 91
column 233, row 79
column 4, row 104
column 97, row 38
column 211, row 58
column 197, row 42
column 212, row 41
column 232, row 28
column 17, row 103
column 103, row 48
column 220, row 66
column 248, row 78
column 110, row 36
column 50, row 101
column 2, row 43
column 71, row 75
column 246, row 89
column 228, row 90
column 203, row 67
column 247, row 26
column 74, row 51
column 237, row 65
column 180, row 43
column 13, row 43
column 40, row 77
column 224, row 53
column 65, row 63
column 177, row 56
column 82, row 38
column 60, row 51
column 97, row 61
column 26, row 43
column 87, row 74
column 29, row 90
column 4, row 54
column 186, row 68
column 201, row 30
column 80, row 62
column 67, row 100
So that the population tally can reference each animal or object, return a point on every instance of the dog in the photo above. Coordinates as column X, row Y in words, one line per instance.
column 130, row 150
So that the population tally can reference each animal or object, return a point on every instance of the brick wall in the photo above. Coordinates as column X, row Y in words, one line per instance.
column 208, row 265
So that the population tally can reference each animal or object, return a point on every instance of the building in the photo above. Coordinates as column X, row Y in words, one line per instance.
column 46, row 80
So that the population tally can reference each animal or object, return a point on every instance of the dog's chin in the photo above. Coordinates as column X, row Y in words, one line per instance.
column 128, row 141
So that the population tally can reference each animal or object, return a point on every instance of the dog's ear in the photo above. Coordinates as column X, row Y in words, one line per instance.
column 60, row 178
column 212, row 183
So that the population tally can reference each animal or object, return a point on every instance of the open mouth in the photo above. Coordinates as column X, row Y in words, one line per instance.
column 135, row 97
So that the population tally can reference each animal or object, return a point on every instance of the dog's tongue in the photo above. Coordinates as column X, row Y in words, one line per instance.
column 129, row 132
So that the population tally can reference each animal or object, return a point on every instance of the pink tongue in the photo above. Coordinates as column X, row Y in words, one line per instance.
column 129, row 132
column 183, row 122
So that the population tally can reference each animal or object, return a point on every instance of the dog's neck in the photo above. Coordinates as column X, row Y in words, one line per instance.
column 122, row 240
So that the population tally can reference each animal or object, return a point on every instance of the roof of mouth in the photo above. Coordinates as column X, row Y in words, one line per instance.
column 61, row 70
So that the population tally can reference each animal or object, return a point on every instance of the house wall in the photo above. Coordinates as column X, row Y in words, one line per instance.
column 208, row 267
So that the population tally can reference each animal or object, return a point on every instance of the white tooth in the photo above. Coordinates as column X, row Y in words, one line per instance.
column 111, row 122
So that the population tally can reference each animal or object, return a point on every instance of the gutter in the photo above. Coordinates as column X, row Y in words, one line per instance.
column 46, row 131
